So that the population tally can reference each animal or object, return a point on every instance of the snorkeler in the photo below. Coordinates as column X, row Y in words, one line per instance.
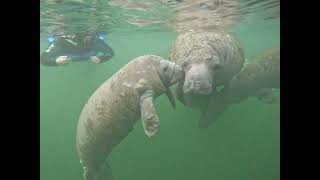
column 78, row 47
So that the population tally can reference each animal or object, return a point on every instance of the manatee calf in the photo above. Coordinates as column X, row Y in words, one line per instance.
column 112, row 110
column 257, row 78
column 209, row 60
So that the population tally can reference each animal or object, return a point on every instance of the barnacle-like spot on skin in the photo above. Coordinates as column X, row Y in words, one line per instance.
column 141, row 85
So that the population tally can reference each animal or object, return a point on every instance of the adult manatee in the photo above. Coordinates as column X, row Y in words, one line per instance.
column 257, row 78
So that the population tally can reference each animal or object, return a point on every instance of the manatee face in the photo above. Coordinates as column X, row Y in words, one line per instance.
column 200, row 77
column 170, row 72
column 199, row 82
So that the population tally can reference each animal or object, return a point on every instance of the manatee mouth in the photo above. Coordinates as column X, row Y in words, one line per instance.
column 197, row 88
column 198, row 80
column 197, row 93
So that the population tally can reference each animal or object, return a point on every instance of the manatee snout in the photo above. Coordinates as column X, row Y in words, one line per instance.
column 198, row 80
column 197, row 87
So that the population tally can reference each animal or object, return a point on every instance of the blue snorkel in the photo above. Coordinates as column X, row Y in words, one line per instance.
column 50, row 39
column 101, row 35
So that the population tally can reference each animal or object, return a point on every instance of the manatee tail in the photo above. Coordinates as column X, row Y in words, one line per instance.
column 102, row 173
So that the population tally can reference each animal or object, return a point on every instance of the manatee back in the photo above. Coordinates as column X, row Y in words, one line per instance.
column 111, row 111
column 109, row 115
column 181, row 46
column 106, row 119
column 263, row 72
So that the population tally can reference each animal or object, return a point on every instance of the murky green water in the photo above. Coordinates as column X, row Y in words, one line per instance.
column 243, row 145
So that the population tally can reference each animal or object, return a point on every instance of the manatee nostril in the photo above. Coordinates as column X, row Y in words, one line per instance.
column 188, row 87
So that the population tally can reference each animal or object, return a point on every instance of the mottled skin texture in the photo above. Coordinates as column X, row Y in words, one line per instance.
column 257, row 78
column 209, row 60
column 113, row 109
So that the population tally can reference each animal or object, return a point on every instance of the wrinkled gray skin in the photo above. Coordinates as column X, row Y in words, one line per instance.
column 209, row 60
column 257, row 78
column 113, row 109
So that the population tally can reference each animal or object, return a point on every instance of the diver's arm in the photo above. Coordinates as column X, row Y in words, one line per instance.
column 104, row 52
column 51, row 56
column 48, row 57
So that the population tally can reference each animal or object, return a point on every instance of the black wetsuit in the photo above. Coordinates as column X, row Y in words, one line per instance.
column 76, row 48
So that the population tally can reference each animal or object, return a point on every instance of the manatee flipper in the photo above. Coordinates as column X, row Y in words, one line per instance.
column 266, row 96
column 179, row 93
column 212, row 111
column 216, row 105
column 149, row 116
column 171, row 98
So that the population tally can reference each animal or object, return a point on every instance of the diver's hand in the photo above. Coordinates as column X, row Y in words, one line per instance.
column 62, row 60
column 95, row 60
